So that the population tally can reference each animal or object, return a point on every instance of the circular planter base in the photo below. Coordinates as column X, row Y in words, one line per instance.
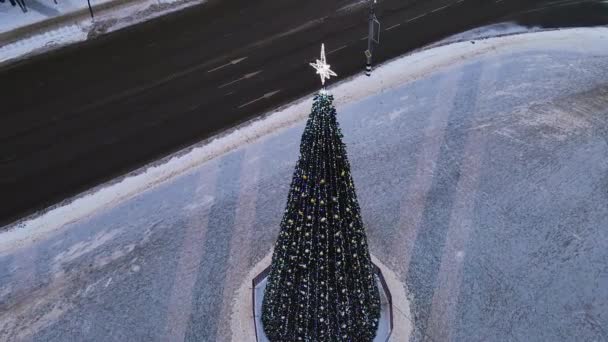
column 246, row 325
column 385, row 325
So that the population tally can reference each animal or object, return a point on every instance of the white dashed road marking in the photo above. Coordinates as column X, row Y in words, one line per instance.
column 233, row 62
column 267, row 95
column 246, row 76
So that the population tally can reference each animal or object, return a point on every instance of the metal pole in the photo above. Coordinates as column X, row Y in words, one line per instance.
column 90, row 9
column 370, row 39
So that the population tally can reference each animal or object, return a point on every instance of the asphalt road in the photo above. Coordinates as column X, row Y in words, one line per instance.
column 482, row 186
column 82, row 115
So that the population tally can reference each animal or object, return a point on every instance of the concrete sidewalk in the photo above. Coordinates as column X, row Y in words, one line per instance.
column 43, row 13
column 47, row 25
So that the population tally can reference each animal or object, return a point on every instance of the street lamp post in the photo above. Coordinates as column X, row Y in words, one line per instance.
column 373, row 36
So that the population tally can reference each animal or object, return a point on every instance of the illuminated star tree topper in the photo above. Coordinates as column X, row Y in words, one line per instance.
column 323, row 69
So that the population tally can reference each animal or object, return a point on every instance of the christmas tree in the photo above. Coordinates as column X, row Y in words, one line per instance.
column 322, row 286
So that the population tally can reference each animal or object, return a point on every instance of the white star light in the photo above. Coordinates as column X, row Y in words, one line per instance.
column 322, row 67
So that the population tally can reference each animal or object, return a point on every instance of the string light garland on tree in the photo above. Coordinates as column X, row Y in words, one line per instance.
column 322, row 286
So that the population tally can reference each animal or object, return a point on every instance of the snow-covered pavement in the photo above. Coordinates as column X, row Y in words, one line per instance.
column 56, row 37
column 481, row 171
column 19, row 35
column 11, row 17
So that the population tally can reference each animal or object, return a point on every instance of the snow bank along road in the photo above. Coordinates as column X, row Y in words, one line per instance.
column 87, row 113
column 481, row 171
column 45, row 28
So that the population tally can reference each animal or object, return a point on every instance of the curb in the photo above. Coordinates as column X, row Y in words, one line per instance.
column 61, row 20
column 29, row 30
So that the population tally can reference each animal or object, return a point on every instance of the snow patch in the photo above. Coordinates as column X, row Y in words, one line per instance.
column 396, row 113
column 500, row 29
column 205, row 202
column 57, row 37
column 84, row 247
column 139, row 12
